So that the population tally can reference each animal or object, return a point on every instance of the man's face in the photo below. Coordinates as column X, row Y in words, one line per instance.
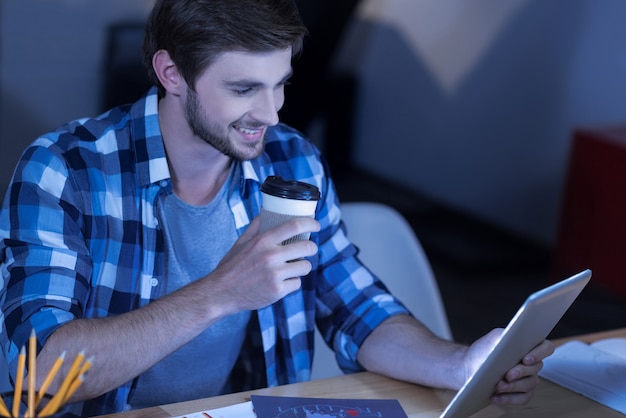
column 236, row 99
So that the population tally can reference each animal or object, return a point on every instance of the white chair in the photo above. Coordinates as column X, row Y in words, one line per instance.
column 389, row 248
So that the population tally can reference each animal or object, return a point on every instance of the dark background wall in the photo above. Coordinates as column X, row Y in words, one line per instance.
column 471, row 103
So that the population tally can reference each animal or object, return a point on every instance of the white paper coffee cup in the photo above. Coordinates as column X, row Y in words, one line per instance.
column 283, row 200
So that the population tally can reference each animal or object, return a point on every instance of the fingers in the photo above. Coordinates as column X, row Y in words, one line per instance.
column 251, row 231
column 519, row 383
column 253, row 227
column 291, row 250
column 292, row 268
column 523, row 383
column 291, row 228
column 272, row 240
column 258, row 270
column 513, row 398
column 540, row 352
column 532, row 362
column 518, row 391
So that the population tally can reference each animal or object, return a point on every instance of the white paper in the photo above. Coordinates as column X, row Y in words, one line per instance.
column 615, row 346
column 240, row 410
column 597, row 371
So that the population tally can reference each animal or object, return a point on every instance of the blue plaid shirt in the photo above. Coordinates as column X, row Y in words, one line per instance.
column 80, row 239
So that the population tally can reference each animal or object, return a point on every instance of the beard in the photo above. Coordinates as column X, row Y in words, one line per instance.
column 210, row 132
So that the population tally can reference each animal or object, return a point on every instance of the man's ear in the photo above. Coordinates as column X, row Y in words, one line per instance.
column 168, row 73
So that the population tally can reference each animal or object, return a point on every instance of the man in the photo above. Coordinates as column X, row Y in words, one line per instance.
column 134, row 236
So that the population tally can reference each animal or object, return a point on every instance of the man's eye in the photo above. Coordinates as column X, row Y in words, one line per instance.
column 282, row 85
column 243, row 92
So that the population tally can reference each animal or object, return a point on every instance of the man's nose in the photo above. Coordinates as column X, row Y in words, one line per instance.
column 266, row 107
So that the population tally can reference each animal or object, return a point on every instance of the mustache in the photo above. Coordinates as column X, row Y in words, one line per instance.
column 249, row 124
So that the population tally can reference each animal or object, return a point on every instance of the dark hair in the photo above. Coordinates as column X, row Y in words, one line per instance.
column 196, row 32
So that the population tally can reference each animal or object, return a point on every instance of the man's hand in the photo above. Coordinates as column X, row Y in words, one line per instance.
column 519, row 382
column 258, row 270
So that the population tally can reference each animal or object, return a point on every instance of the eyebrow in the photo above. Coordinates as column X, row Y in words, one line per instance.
column 248, row 83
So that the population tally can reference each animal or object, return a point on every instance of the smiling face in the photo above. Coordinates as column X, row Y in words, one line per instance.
column 236, row 99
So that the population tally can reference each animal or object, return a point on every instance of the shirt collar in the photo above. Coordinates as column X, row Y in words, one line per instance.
column 147, row 140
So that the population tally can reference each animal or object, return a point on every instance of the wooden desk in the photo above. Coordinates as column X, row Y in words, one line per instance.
column 549, row 401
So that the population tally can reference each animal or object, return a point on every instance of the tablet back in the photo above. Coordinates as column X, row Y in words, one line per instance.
column 531, row 324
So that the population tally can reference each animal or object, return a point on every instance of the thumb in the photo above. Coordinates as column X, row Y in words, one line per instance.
column 251, row 231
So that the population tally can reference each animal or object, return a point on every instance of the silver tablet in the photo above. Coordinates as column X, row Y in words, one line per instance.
column 531, row 324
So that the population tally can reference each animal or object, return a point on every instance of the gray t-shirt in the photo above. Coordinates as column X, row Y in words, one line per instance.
column 197, row 238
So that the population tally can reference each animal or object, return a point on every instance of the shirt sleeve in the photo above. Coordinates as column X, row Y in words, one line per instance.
column 44, row 261
column 350, row 300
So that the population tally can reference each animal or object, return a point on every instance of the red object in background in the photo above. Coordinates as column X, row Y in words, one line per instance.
column 592, row 230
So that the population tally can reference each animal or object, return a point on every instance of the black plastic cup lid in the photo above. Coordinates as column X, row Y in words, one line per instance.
column 290, row 189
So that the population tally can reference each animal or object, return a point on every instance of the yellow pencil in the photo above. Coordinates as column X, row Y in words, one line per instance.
column 48, row 380
column 49, row 410
column 75, row 384
column 4, row 411
column 59, row 397
column 79, row 379
column 21, row 362
column 86, row 366
column 75, row 369
column 32, row 373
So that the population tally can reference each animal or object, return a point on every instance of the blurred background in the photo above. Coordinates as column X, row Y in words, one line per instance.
column 462, row 114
